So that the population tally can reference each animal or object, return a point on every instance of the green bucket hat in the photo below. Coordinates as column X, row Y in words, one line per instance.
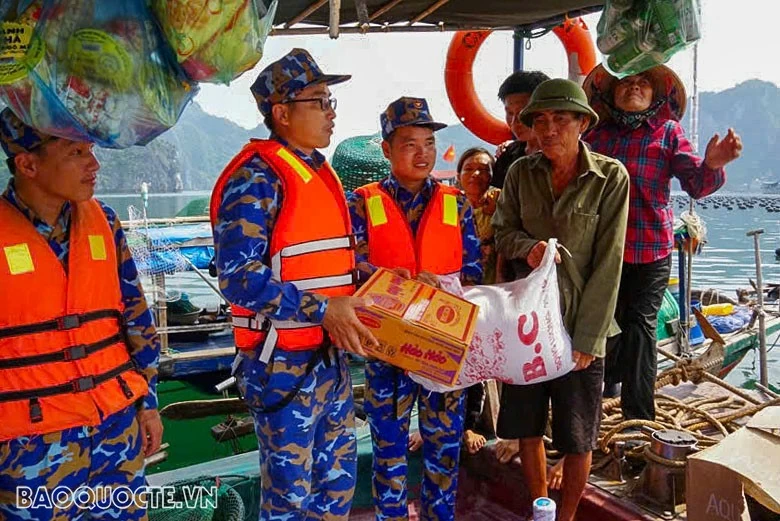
column 558, row 94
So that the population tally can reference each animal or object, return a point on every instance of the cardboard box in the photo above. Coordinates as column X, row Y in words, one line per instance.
column 419, row 328
column 745, row 462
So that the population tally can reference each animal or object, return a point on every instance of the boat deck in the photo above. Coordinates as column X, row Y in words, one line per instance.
column 217, row 352
column 623, row 492
column 214, row 354
column 488, row 489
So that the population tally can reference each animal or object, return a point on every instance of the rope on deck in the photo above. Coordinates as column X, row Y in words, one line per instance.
column 708, row 419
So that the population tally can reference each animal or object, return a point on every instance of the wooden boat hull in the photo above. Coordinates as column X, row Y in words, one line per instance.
column 487, row 491
column 189, row 375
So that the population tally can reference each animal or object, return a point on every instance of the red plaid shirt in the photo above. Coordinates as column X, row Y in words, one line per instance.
column 653, row 154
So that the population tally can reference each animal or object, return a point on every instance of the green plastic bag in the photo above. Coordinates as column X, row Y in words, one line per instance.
column 636, row 35
column 215, row 41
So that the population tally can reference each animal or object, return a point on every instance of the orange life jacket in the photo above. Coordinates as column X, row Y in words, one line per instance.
column 63, row 357
column 311, row 245
column 438, row 246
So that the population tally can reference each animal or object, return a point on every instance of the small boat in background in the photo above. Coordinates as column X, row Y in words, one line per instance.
column 770, row 186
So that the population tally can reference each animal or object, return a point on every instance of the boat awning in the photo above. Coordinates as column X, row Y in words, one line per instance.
column 361, row 16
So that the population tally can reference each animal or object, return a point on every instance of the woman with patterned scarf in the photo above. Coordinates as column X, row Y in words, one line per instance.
column 639, row 125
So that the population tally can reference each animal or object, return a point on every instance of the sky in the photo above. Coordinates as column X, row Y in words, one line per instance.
column 737, row 44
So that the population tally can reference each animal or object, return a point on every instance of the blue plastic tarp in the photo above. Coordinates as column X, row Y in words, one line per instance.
column 167, row 248
column 730, row 323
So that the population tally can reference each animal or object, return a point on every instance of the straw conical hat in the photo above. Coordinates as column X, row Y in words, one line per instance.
column 600, row 83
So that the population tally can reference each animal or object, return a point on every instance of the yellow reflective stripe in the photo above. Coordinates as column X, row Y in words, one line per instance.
column 376, row 210
column 19, row 259
column 97, row 247
column 295, row 163
column 450, row 214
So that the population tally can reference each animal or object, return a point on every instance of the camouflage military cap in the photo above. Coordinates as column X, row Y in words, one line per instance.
column 16, row 137
column 285, row 78
column 406, row 112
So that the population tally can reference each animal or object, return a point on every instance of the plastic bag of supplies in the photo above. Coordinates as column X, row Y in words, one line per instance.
column 636, row 35
column 520, row 338
column 20, row 52
column 216, row 40
column 96, row 71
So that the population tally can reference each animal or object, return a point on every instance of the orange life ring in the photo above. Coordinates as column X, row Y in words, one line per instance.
column 459, row 78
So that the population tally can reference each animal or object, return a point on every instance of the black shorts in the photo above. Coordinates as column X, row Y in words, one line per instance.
column 576, row 409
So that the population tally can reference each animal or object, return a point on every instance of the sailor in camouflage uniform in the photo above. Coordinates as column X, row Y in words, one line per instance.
column 438, row 219
column 78, row 396
column 285, row 260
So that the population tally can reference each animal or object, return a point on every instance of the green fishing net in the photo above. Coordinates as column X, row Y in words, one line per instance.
column 359, row 160
column 201, row 504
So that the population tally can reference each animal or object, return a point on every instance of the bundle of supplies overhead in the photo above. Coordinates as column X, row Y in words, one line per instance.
column 106, row 72
column 636, row 35
column 215, row 42
column 93, row 71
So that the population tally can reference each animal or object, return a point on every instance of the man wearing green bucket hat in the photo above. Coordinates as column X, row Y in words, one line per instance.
column 567, row 192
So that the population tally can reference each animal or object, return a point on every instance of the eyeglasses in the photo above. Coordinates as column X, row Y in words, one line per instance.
column 325, row 103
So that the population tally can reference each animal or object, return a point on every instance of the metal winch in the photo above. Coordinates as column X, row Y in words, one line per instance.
column 663, row 479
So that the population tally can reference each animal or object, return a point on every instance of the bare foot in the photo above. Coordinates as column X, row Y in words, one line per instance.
column 415, row 441
column 555, row 476
column 506, row 450
column 474, row 442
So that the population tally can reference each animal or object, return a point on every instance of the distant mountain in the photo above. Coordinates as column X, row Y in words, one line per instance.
column 461, row 139
column 191, row 155
column 752, row 108
column 206, row 144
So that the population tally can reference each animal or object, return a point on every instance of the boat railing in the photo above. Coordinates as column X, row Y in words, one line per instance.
column 163, row 247
column 157, row 221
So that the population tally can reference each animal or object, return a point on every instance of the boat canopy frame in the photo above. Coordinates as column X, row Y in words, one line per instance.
column 335, row 17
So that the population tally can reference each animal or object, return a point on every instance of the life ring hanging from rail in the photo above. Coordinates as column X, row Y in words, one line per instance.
column 459, row 78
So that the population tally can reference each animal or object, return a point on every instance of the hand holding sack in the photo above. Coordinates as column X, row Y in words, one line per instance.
column 101, row 72
column 520, row 338
column 215, row 42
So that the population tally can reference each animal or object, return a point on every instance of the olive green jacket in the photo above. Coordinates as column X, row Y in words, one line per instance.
column 589, row 220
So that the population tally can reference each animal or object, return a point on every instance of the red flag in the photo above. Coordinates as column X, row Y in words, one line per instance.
column 449, row 154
